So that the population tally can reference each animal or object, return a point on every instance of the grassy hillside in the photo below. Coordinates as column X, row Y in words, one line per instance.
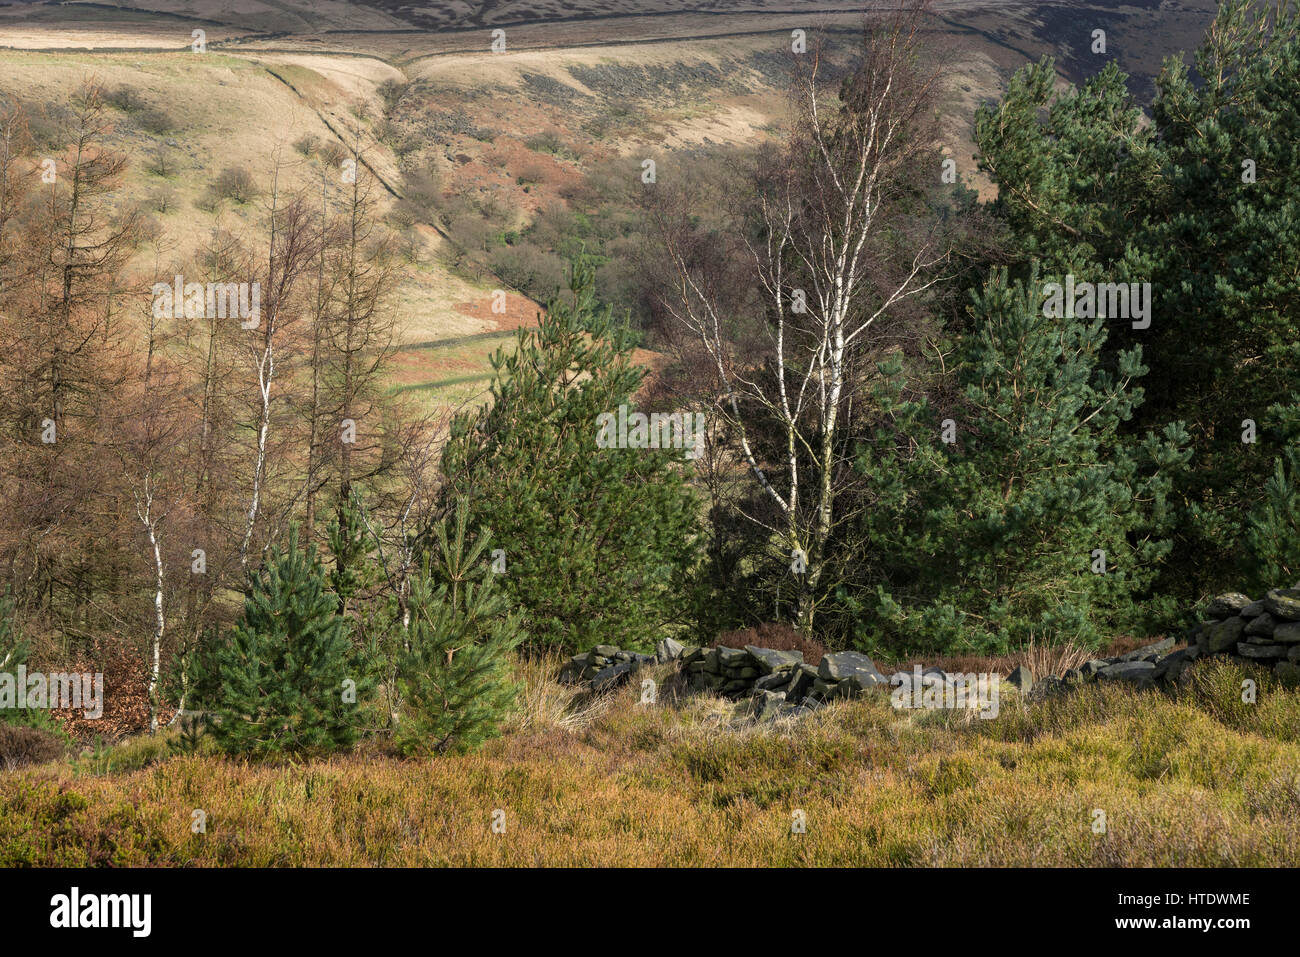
column 477, row 145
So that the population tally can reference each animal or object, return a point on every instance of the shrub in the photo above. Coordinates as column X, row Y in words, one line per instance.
column 161, row 162
column 155, row 121
column 234, row 183
column 332, row 153
column 285, row 673
column 22, row 744
column 531, row 270
column 391, row 92
column 778, row 637
column 163, row 199
column 125, row 98
column 547, row 141
column 456, row 673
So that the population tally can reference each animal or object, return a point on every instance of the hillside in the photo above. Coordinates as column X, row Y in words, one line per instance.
column 488, row 140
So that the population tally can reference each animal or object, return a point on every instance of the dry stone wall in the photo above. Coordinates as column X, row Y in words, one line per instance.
column 777, row 683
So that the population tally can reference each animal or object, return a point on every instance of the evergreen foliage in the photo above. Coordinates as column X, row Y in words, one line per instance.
column 596, row 541
column 993, row 540
column 287, row 672
column 1204, row 204
column 455, row 672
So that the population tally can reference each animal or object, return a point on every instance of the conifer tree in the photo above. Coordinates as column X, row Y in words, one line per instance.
column 288, row 681
column 595, row 542
column 1039, row 520
column 354, row 571
column 456, row 669
column 1202, row 202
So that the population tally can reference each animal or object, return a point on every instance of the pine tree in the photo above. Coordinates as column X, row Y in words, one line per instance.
column 289, row 683
column 595, row 541
column 992, row 540
column 1203, row 204
column 456, row 670
column 354, row 572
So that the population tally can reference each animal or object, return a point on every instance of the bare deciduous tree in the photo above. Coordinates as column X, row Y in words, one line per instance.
column 837, row 253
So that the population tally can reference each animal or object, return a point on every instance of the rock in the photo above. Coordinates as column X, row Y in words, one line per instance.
column 1225, row 635
column 1223, row 606
column 1091, row 668
column 777, row 679
column 861, row 681
column 1261, row 652
column 1046, row 687
column 1072, row 676
column 605, row 651
column 712, row 664
column 846, row 664
column 1283, row 603
column 1262, row 625
column 1254, row 609
column 801, row 682
column 735, row 685
column 767, row 704
column 1022, row 678
column 1143, row 653
column 733, row 657
column 1171, row 665
column 1294, row 653
column 770, row 660
column 1138, row 672
column 669, row 650
column 612, row 677
column 821, row 689
column 1287, row 633
column 842, row 689
column 691, row 655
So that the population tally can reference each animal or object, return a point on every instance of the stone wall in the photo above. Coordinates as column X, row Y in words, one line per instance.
column 1262, row 632
column 777, row 683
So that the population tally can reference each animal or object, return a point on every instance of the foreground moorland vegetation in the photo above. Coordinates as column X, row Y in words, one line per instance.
column 1199, row 779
